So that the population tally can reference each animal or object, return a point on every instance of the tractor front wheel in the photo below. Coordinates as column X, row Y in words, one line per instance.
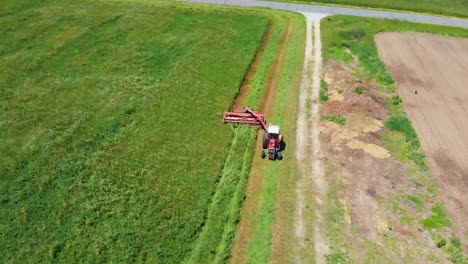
column 263, row 154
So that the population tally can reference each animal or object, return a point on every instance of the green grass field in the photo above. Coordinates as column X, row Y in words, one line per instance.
column 111, row 145
column 458, row 8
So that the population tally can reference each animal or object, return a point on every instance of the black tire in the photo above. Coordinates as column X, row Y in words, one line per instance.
column 282, row 145
column 265, row 143
column 280, row 157
column 263, row 154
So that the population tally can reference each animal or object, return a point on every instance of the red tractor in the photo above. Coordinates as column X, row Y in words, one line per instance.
column 272, row 139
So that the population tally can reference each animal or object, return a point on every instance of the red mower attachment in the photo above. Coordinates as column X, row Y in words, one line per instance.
column 246, row 116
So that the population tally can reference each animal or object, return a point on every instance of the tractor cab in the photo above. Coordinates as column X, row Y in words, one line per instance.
column 273, row 131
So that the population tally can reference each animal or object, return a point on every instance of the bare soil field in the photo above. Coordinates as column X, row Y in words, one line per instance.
column 431, row 73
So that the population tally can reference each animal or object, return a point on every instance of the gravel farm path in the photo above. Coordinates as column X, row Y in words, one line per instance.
column 308, row 150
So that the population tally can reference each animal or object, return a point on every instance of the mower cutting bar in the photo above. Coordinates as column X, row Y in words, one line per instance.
column 248, row 117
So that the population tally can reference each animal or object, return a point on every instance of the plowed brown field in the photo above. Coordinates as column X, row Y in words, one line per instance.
column 431, row 73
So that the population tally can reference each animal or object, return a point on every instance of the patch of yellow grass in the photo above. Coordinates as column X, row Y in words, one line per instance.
column 372, row 149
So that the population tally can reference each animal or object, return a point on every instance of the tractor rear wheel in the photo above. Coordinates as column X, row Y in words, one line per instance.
column 265, row 143
column 280, row 157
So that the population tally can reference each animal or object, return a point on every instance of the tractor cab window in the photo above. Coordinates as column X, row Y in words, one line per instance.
column 275, row 136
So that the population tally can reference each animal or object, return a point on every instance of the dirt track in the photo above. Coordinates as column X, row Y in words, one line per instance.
column 431, row 73
column 308, row 150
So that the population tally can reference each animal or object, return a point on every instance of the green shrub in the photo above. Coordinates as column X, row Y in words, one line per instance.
column 442, row 243
column 386, row 78
column 456, row 252
column 416, row 200
column 437, row 220
column 419, row 158
column 338, row 258
column 336, row 119
column 395, row 100
column 323, row 96
column 323, row 91
column 340, row 91
column 403, row 125
column 358, row 90
column 324, row 85
column 357, row 33
column 456, row 242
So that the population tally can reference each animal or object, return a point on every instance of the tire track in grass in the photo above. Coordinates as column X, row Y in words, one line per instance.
column 282, row 246
column 258, row 246
column 301, row 148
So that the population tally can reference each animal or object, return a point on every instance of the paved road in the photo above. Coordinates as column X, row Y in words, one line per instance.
column 342, row 11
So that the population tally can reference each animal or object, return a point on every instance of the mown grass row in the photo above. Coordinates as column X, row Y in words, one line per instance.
column 357, row 34
column 215, row 240
column 111, row 145
column 259, row 246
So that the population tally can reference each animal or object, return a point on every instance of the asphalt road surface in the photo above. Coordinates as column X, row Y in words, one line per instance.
column 331, row 10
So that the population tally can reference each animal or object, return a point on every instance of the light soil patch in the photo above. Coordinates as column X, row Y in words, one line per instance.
column 357, row 125
column 335, row 96
column 431, row 73
column 341, row 77
column 373, row 149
